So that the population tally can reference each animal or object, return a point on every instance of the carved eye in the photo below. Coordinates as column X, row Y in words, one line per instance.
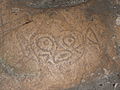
column 62, row 56
column 69, row 40
column 91, row 36
column 45, row 43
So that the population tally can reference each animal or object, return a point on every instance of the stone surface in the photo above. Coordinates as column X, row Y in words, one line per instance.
column 59, row 48
column 110, row 82
column 50, row 3
column 118, row 20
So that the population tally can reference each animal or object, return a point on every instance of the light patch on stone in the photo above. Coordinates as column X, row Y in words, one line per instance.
column 118, row 20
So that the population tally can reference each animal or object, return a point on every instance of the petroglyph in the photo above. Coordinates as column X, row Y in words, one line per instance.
column 71, row 40
column 46, row 45
column 58, row 48
column 62, row 56
column 91, row 36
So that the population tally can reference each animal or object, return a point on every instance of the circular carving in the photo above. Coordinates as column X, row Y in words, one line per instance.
column 71, row 40
column 68, row 47
column 45, row 43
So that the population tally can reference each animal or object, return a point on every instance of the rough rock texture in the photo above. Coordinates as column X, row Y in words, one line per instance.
column 107, row 82
column 58, row 48
column 49, row 3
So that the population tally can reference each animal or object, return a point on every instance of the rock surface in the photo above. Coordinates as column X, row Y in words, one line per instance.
column 59, row 48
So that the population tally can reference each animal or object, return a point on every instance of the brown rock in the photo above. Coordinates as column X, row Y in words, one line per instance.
column 52, row 49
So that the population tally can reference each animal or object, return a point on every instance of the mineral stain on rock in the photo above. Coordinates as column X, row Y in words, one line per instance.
column 110, row 82
column 51, row 3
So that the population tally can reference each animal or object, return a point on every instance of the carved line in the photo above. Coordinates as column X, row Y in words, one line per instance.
column 64, row 57
column 68, row 38
column 82, row 50
column 43, row 49
column 94, row 35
